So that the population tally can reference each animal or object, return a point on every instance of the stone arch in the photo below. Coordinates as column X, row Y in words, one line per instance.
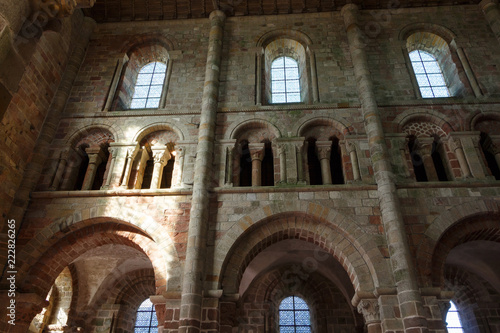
column 95, row 133
column 138, row 41
column 143, row 225
column 421, row 115
column 237, row 129
column 488, row 123
column 446, row 34
column 271, row 36
column 129, row 292
column 39, row 277
column 178, row 129
column 465, row 222
column 316, row 224
column 340, row 128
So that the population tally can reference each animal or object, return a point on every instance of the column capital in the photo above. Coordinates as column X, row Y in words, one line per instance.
column 324, row 149
column 256, row 151
column 369, row 308
column 350, row 146
column 454, row 143
column 217, row 14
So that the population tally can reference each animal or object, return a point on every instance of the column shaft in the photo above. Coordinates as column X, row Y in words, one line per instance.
column 403, row 271
column 192, row 283
column 492, row 13
column 256, row 172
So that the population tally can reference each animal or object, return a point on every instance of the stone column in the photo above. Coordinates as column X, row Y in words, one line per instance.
column 131, row 153
column 257, row 154
column 61, row 167
column 301, row 179
column 425, row 150
column 492, row 14
column 192, row 282
column 258, row 78
column 160, row 158
column 282, row 156
column 95, row 159
column 456, row 146
column 369, row 308
column 410, row 300
column 178, row 167
column 324, row 150
column 351, row 149
column 314, row 76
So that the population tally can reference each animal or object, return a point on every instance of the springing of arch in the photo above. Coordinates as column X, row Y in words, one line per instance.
column 146, row 321
column 294, row 315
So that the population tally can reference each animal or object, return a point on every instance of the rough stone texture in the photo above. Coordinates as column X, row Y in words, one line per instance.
column 380, row 253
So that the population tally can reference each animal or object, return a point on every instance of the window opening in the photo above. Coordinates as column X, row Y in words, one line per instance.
column 267, row 166
column 146, row 321
column 285, row 86
column 148, row 174
column 453, row 320
column 168, row 171
column 294, row 316
column 336, row 163
column 417, row 162
column 245, row 165
column 438, row 162
column 82, row 169
column 488, row 155
column 149, row 86
column 313, row 164
column 429, row 76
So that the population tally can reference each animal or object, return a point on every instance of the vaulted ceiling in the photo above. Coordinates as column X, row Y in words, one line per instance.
column 149, row 10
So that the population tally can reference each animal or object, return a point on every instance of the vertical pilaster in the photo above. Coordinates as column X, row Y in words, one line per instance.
column 61, row 166
column 410, row 300
column 192, row 283
column 456, row 146
column 351, row 149
column 110, row 172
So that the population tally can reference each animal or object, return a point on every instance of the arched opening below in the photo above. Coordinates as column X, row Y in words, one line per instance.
column 145, row 320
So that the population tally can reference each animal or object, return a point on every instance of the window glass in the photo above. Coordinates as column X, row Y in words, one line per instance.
column 294, row 316
column 146, row 321
column 149, row 86
column 285, row 85
column 429, row 76
column 453, row 320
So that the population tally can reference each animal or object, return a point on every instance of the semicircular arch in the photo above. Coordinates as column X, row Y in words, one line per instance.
column 311, row 222
column 237, row 129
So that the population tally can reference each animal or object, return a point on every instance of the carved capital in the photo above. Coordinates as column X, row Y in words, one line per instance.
column 350, row 146
column 281, row 148
column 324, row 149
column 256, row 151
column 159, row 157
column 369, row 308
column 454, row 143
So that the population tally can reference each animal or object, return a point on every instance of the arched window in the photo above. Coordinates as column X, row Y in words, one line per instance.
column 285, row 85
column 453, row 320
column 146, row 321
column 149, row 86
column 294, row 315
column 429, row 75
